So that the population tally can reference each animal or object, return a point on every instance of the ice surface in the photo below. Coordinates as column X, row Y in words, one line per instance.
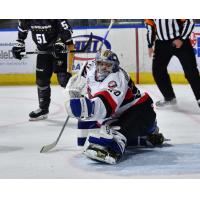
column 21, row 141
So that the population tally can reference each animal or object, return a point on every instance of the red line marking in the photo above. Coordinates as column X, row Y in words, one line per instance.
column 137, row 56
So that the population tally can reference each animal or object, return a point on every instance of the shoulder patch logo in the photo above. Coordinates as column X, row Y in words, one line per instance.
column 112, row 84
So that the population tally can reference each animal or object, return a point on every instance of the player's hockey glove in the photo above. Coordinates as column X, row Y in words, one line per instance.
column 17, row 49
column 81, row 108
column 58, row 47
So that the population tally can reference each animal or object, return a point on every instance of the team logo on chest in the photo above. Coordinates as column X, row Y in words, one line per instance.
column 112, row 84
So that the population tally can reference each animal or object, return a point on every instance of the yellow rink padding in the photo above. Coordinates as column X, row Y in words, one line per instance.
column 21, row 79
column 29, row 79
column 147, row 78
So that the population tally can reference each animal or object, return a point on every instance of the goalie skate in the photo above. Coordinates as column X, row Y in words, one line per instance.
column 38, row 114
column 99, row 153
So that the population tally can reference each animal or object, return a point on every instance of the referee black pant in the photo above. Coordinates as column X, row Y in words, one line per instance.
column 163, row 53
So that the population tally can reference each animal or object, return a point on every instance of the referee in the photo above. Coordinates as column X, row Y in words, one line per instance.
column 167, row 38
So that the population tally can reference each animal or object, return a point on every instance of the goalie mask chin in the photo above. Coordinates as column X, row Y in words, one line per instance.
column 106, row 62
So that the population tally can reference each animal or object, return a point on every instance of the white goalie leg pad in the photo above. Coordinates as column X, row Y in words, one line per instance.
column 83, row 134
column 108, row 145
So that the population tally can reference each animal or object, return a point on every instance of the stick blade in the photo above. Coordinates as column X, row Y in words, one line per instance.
column 48, row 147
column 88, row 43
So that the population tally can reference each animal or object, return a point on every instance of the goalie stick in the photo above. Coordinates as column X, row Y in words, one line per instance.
column 83, row 50
column 106, row 34
column 52, row 145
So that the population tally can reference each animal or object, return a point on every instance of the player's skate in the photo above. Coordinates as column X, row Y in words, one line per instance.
column 38, row 114
column 163, row 103
column 106, row 146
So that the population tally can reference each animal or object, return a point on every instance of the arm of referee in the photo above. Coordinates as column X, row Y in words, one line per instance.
column 151, row 32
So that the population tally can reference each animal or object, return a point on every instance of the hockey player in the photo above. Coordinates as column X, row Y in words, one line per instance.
column 49, row 35
column 113, row 103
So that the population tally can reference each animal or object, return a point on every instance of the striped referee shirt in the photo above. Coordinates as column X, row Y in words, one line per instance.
column 168, row 29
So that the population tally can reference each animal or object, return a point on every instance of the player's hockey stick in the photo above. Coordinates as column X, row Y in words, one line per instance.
column 83, row 50
column 106, row 34
column 48, row 147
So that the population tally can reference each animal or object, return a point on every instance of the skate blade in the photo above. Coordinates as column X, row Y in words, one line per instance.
column 42, row 117
column 99, row 156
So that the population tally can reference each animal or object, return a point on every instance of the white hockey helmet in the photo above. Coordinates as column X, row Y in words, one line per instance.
column 106, row 62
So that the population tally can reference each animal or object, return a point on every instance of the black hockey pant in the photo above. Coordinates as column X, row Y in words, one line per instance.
column 139, row 120
column 46, row 65
column 163, row 54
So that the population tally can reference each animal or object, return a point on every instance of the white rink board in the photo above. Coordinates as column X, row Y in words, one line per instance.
column 7, row 63
column 122, row 41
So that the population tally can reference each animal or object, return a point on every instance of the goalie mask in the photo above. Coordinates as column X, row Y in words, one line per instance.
column 106, row 62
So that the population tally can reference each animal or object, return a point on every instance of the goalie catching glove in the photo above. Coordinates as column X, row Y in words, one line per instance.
column 77, row 105
column 76, row 86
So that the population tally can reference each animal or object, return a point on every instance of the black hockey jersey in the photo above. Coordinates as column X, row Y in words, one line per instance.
column 45, row 32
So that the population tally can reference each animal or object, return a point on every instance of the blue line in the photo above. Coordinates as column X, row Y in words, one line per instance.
column 8, row 29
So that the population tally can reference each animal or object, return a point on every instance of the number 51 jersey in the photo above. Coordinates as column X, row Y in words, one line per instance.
column 45, row 32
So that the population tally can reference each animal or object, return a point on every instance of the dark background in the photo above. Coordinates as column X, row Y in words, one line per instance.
column 13, row 23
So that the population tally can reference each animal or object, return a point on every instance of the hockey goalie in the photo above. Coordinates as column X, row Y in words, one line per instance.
column 112, row 113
